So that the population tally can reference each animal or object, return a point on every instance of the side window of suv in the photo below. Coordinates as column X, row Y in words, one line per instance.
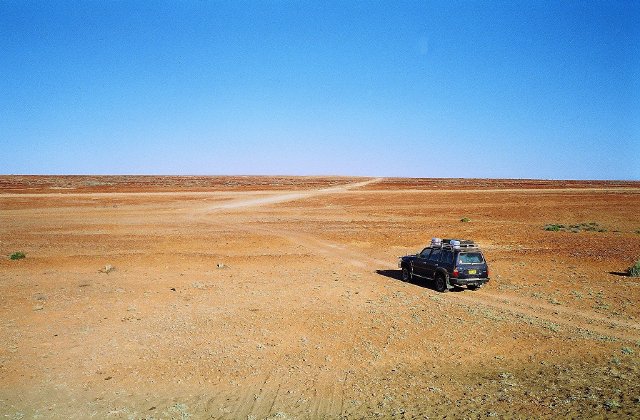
column 447, row 256
column 435, row 255
column 425, row 253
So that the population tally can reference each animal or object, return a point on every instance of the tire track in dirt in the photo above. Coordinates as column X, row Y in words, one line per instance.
column 283, row 198
column 322, row 247
column 257, row 401
column 574, row 318
column 263, row 400
column 509, row 298
column 328, row 397
column 590, row 323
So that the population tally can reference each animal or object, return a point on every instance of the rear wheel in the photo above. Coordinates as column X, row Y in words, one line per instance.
column 406, row 274
column 441, row 283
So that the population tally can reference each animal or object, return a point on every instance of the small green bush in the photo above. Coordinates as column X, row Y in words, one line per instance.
column 465, row 220
column 634, row 270
column 18, row 255
column 611, row 404
column 575, row 228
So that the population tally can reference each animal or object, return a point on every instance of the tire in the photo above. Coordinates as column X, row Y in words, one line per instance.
column 406, row 274
column 473, row 287
column 441, row 283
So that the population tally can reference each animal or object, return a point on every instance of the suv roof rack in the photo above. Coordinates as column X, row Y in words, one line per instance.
column 452, row 243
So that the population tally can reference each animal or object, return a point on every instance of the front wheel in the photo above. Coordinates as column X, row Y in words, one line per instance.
column 406, row 274
column 441, row 283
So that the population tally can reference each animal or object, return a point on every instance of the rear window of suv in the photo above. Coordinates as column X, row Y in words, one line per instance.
column 470, row 258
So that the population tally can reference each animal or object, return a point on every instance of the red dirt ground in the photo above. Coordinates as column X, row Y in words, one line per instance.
column 279, row 297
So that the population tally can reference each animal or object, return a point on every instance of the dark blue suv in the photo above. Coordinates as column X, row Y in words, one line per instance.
column 449, row 262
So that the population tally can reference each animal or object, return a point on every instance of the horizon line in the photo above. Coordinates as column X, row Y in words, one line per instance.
column 319, row 176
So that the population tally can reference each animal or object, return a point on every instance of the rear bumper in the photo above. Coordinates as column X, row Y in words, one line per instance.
column 468, row 281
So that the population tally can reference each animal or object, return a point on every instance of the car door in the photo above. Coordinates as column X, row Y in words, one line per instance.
column 432, row 263
column 420, row 263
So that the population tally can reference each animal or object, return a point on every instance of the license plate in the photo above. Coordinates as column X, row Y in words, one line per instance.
column 473, row 271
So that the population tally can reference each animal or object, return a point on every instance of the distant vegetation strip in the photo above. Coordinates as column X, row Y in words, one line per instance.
column 581, row 227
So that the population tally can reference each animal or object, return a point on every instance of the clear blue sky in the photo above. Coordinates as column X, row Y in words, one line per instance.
column 494, row 89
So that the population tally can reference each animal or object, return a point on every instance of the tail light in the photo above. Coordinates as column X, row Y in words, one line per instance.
column 455, row 272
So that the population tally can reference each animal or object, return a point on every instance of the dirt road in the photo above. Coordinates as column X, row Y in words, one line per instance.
column 284, row 300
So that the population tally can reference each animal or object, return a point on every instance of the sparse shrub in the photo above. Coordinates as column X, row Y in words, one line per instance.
column 552, row 327
column 611, row 404
column 465, row 220
column 505, row 375
column 627, row 350
column 18, row 255
column 577, row 294
column 634, row 270
column 575, row 228
column 588, row 227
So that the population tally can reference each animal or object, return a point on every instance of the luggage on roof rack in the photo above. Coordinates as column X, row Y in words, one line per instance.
column 461, row 241
column 452, row 243
column 458, row 243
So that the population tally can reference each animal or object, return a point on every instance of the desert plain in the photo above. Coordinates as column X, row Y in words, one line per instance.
column 280, row 297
